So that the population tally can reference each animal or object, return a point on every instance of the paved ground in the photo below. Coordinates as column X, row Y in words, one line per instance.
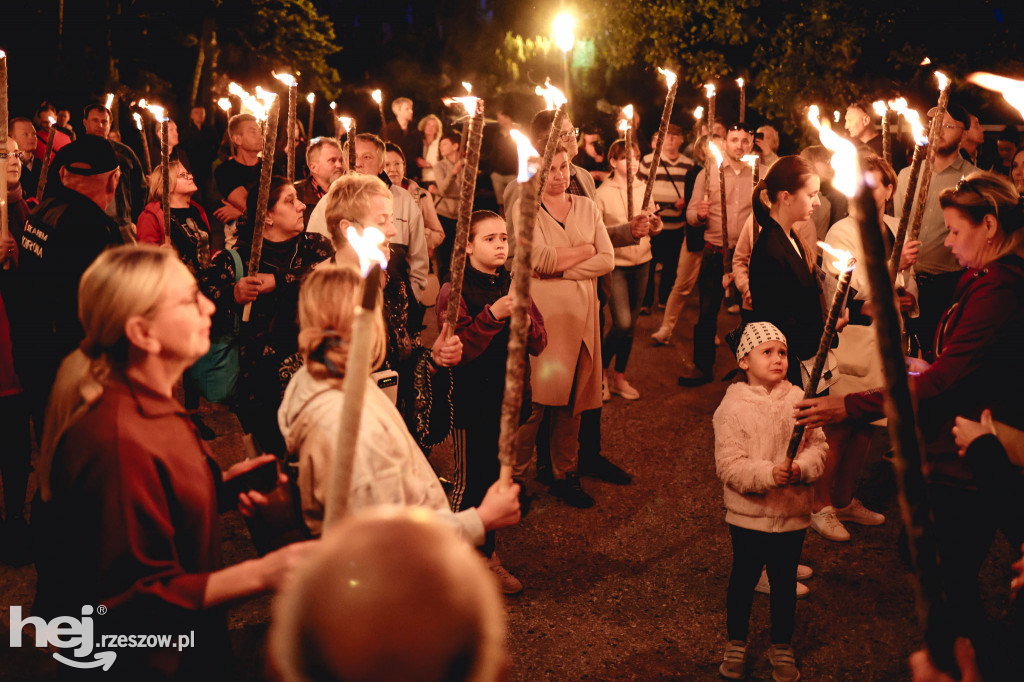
column 634, row 588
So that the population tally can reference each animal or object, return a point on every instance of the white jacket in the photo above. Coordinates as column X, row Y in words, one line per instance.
column 752, row 430
column 389, row 468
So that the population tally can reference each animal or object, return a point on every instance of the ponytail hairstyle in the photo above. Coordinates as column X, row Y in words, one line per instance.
column 327, row 310
column 788, row 174
column 983, row 193
column 123, row 282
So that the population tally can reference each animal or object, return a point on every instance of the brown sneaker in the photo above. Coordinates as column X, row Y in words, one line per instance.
column 507, row 582
column 783, row 663
column 734, row 663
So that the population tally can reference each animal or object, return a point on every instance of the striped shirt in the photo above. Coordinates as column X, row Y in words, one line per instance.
column 669, row 186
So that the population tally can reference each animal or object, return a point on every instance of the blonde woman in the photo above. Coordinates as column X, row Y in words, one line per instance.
column 190, row 228
column 128, row 516
column 389, row 467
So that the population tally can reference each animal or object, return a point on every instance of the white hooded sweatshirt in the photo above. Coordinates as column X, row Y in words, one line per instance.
column 389, row 467
column 752, row 431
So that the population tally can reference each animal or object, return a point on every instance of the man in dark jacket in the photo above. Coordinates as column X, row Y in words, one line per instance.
column 130, row 197
column 61, row 239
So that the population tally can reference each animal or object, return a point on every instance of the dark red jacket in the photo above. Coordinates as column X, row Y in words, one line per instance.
column 979, row 358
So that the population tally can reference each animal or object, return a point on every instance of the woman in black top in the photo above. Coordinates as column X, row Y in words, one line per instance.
column 268, row 342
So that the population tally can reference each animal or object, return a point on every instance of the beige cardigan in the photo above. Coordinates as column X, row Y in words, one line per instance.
column 611, row 201
column 569, row 306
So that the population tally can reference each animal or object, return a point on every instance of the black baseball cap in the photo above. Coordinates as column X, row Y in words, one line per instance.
column 88, row 155
column 958, row 113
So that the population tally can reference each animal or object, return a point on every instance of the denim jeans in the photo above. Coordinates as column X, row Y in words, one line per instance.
column 628, row 285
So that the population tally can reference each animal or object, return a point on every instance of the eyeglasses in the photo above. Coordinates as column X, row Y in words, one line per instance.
column 570, row 134
column 965, row 184
column 19, row 155
column 185, row 176
column 954, row 126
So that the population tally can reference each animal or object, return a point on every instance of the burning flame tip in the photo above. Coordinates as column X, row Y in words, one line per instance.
column 377, row 96
column 627, row 111
column 925, row 62
column 468, row 86
column 740, row 82
column 526, row 152
column 670, row 77
column 286, row 78
column 710, row 89
column 943, row 80
column 367, row 247
column 879, row 107
column 844, row 153
column 844, row 260
column 311, row 97
column 698, row 113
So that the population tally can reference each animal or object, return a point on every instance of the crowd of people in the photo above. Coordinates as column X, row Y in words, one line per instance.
column 110, row 313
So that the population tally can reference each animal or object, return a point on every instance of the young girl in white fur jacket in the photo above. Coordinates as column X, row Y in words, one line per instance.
column 767, row 496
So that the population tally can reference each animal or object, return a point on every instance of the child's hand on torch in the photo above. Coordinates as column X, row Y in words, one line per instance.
column 446, row 352
column 782, row 474
column 502, row 308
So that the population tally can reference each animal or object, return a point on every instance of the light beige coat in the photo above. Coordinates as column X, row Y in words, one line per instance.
column 569, row 306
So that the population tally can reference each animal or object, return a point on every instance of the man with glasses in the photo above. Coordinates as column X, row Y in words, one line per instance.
column 937, row 269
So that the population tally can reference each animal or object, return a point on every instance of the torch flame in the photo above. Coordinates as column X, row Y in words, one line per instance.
column 880, row 108
column 468, row 86
column 750, row 160
column 710, row 90
column 943, row 80
column 844, row 260
column 155, row 109
column 844, row 154
column 717, row 153
column 627, row 112
column 739, row 82
column 346, row 122
column 311, row 97
column 468, row 103
column 553, row 97
column 368, row 247
column 623, row 124
column 835, row 114
column 377, row 96
column 110, row 100
column 224, row 103
column 526, row 153
column 912, row 117
column 698, row 113
column 136, row 116
column 237, row 90
column 925, row 62
column 1011, row 90
column 53, row 121
column 670, row 78
column 334, row 105
column 286, row 78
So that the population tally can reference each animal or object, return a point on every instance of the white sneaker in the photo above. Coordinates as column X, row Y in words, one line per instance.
column 624, row 389
column 662, row 336
column 856, row 512
column 507, row 583
column 606, row 394
column 764, row 587
column 804, row 572
column 828, row 526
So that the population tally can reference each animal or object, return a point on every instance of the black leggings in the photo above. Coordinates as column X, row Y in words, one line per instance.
column 752, row 550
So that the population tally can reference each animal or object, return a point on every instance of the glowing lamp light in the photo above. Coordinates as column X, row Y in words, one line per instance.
column 377, row 96
column 844, row 154
column 526, row 153
column 698, row 113
column 670, row 77
column 311, row 97
column 844, row 261
column 564, row 27
column 368, row 247
column 287, row 79
column 136, row 115
column 1011, row 90
column 553, row 97
column 913, row 118
column 346, row 122
column 879, row 108
column 224, row 103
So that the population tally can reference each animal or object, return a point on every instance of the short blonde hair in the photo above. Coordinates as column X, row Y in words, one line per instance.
column 327, row 309
column 349, row 199
column 156, row 179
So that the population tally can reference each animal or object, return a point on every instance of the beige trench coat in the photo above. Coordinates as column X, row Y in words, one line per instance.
column 569, row 306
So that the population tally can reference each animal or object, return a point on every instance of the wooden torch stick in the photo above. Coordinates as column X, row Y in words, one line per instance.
column 550, row 147
column 630, row 208
column 920, row 151
column 926, row 175
column 266, row 171
column 666, row 116
column 908, row 460
column 165, row 175
column 45, row 170
column 4, row 232
column 469, row 172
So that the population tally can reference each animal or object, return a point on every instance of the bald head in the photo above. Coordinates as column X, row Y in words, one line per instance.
column 390, row 595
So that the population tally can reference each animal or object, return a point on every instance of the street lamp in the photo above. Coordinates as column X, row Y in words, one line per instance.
column 563, row 28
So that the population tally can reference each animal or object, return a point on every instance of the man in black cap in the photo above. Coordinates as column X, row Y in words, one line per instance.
column 937, row 269
column 130, row 198
column 61, row 239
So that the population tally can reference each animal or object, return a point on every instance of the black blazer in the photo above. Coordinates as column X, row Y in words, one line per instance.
column 786, row 293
